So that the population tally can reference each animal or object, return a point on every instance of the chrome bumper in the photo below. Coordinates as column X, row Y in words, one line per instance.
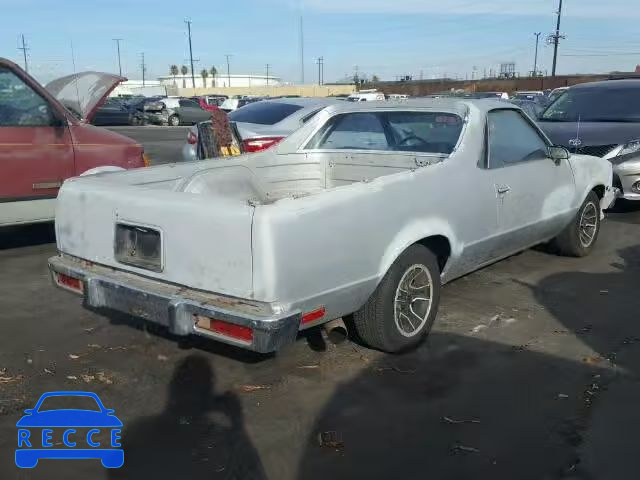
column 176, row 307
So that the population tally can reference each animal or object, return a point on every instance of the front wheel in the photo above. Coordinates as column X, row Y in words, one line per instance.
column 401, row 311
column 580, row 236
column 174, row 120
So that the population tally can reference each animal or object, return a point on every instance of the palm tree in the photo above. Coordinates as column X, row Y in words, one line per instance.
column 184, row 70
column 174, row 71
column 214, row 73
column 204, row 73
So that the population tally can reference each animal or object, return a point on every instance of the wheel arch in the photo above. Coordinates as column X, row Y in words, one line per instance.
column 437, row 235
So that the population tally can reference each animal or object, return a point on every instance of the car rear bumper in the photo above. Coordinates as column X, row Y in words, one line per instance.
column 256, row 326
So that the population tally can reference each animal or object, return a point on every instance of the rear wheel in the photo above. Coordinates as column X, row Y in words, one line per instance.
column 174, row 120
column 580, row 236
column 401, row 311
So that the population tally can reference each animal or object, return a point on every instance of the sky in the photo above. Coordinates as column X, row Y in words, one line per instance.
column 387, row 38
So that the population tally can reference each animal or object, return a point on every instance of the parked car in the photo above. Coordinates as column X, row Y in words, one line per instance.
column 501, row 95
column 187, row 112
column 366, row 96
column 537, row 97
column 345, row 216
column 114, row 111
column 231, row 104
column 601, row 119
column 42, row 143
column 555, row 93
column 206, row 103
column 531, row 108
column 262, row 124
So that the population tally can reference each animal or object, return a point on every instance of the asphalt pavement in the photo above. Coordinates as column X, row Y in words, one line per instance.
column 162, row 144
column 532, row 372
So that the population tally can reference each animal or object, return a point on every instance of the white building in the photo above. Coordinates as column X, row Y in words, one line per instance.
column 221, row 80
column 137, row 87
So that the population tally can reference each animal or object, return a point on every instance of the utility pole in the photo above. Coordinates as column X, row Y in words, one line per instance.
column 267, row 65
column 24, row 49
column 118, row 40
column 320, row 63
column 301, row 50
column 535, row 61
column 555, row 39
column 143, row 66
column 228, row 70
column 193, row 76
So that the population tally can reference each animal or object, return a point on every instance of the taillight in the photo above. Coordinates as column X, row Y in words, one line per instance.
column 70, row 283
column 192, row 138
column 225, row 329
column 146, row 160
column 258, row 144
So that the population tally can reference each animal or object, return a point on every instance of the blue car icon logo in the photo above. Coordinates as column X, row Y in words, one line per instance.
column 93, row 433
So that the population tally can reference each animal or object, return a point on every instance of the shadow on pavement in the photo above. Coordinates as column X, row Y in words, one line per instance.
column 199, row 435
column 26, row 236
column 464, row 408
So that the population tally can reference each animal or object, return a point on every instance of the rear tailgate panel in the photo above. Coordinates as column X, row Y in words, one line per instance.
column 205, row 242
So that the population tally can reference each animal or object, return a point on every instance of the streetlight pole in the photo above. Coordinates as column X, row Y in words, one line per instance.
column 193, row 76
column 228, row 70
column 535, row 61
column 268, row 73
column 118, row 40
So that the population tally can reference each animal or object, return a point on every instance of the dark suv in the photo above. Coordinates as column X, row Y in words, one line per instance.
column 601, row 119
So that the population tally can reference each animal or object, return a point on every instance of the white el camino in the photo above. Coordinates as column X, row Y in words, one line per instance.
column 366, row 211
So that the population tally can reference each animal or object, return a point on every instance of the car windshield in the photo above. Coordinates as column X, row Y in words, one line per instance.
column 264, row 113
column 605, row 104
column 67, row 402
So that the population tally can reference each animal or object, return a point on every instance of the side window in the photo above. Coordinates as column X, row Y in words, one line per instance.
column 189, row 103
column 512, row 139
column 352, row 131
column 20, row 106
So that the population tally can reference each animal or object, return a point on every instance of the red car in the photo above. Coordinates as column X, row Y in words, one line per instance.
column 42, row 143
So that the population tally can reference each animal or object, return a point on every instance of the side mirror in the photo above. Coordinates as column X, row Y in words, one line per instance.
column 557, row 154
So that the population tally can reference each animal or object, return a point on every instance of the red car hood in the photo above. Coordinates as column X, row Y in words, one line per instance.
column 82, row 93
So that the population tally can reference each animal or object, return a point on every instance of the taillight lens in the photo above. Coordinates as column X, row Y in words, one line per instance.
column 251, row 145
column 70, row 283
column 192, row 138
column 226, row 329
column 146, row 160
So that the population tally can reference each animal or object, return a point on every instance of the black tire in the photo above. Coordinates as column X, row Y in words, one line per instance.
column 174, row 120
column 375, row 322
column 571, row 242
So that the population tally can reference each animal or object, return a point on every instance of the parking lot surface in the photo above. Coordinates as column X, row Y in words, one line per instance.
column 531, row 373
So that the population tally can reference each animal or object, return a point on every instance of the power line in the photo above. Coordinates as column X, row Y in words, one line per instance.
column 24, row 49
column 118, row 40
column 228, row 69
column 193, row 76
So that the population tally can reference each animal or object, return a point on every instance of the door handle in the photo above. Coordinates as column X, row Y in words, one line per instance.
column 502, row 189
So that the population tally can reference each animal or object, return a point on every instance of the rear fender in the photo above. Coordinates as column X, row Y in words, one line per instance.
column 413, row 233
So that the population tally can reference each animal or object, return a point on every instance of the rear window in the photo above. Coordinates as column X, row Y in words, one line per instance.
column 264, row 113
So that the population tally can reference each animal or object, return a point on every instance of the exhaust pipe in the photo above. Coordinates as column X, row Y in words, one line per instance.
column 336, row 331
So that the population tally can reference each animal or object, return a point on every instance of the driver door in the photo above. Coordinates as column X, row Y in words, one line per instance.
column 36, row 152
column 534, row 194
